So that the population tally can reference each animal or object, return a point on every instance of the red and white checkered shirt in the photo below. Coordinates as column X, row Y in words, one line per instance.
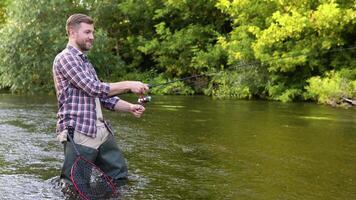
column 77, row 86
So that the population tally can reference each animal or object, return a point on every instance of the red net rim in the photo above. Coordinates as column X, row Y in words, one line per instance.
column 104, row 176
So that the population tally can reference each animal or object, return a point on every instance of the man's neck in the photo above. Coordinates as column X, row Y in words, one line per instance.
column 73, row 44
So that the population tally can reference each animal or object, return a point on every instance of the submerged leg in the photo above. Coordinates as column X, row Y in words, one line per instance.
column 111, row 160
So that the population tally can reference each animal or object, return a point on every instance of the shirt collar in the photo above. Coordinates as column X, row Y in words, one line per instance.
column 77, row 52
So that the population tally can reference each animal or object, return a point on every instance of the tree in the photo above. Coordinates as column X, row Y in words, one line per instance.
column 293, row 40
column 246, row 49
column 31, row 38
column 3, row 5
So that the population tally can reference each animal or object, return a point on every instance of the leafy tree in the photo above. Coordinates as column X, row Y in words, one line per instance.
column 276, row 49
column 174, row 38
column 129, row 24
column 30, row 39
column 186, row 34
column 3, row 5
column 294, row 40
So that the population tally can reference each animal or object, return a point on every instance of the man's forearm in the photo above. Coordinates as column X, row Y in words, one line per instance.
column 123, row 105
column 135, row 109
column 127, row 86
column 119, row 88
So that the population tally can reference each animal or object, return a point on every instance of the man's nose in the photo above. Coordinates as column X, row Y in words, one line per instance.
column 91, row 36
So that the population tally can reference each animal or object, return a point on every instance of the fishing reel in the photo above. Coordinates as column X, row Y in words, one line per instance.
column 144, row 99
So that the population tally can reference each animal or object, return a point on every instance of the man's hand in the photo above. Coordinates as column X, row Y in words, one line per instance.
column 137, row 110
column 138, row 87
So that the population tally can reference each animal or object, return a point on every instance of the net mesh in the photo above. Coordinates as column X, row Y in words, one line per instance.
column 90, row 182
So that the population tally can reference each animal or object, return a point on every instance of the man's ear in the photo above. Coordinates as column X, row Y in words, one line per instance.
column 71, row 32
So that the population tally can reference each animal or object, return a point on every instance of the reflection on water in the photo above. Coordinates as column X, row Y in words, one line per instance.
column 194, row 148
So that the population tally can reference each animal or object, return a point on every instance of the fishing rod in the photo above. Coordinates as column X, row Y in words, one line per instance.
column 181, row 79
column 145, row 99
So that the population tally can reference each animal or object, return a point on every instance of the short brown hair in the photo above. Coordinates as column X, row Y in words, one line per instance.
column 75, row 20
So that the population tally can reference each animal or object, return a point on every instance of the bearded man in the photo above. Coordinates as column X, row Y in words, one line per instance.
column 80, row 95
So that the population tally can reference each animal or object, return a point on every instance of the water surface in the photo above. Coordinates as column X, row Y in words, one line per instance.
column 188, row 147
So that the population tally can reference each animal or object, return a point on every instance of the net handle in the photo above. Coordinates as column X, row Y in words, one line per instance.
column 69, row 135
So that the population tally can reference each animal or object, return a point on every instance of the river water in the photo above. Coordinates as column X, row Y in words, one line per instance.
column 194, row 147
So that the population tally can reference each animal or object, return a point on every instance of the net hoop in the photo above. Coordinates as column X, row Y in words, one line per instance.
column 103, row 176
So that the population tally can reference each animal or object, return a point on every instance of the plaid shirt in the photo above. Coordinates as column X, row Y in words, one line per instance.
column 77, row 86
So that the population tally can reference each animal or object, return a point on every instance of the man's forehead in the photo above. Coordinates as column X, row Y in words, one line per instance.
column 86, row 26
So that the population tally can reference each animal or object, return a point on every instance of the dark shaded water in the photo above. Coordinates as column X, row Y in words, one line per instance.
column 194, row 148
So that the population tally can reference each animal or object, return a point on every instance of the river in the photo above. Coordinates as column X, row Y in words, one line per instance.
column 193, row 147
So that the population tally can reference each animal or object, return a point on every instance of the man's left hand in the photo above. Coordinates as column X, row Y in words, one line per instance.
column 137, row 110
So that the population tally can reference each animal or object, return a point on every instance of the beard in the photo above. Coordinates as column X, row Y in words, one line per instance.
column 84, row 45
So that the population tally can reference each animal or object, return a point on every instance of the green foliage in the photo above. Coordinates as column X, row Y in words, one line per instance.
column 332, row 87
column 176, row 51
column 275, row 49
column 186, row 35
column 3, row 4
column 130, row 24
column 300, row 40
column 178, row 87
column 32, row 38
column 289, row 94
column 294, row 40
column 246, row 81
column 29, row 45
column 226, row 85
column 107, row 65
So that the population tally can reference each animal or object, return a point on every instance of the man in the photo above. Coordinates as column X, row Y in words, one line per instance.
column 80, row 95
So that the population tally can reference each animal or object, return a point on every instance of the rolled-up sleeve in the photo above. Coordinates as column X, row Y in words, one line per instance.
column 109, row 102
column 72, row 70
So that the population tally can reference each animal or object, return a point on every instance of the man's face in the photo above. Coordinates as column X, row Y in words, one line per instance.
column 84, row 36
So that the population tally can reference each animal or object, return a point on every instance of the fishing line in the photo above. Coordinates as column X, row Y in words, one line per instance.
column 181, row 79
column 145, row 99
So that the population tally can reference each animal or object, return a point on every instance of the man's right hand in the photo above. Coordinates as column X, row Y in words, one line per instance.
column 138, row 87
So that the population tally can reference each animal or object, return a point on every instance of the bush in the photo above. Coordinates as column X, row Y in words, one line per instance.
column 227, row 85
column 333, row 87
column 178, row 87
column 30, row 39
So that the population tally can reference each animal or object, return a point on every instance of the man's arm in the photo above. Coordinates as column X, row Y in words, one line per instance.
column 127, row 86
column 135, row 109
column 109, row 102
column 70, row 68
